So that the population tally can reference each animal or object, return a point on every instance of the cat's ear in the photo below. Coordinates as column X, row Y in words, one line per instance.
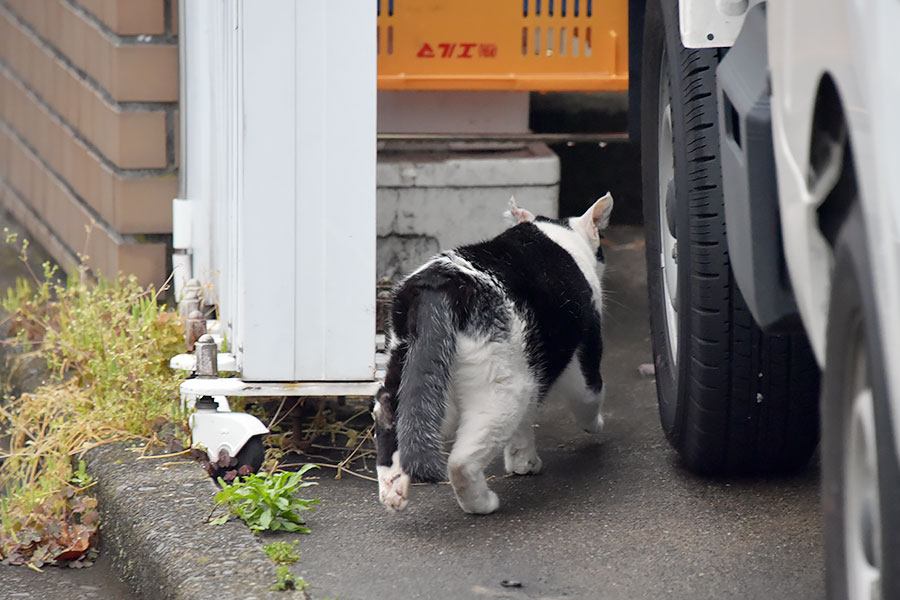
column 516, row 215
column 596, row 218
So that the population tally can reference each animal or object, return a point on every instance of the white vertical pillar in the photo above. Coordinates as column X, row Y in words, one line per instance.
column 306, row 198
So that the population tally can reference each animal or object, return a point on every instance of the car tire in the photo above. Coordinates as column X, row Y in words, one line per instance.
column 860, row 472
column 731, row 399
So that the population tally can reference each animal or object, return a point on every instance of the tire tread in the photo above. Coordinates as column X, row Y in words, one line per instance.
column 729, row 419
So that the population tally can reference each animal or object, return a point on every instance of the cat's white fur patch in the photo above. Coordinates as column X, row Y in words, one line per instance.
column 393, row 485
column 494, row 392
column 582, row 253
column 520, row 455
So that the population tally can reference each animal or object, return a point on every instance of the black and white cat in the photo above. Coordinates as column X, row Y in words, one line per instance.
column 480, row 336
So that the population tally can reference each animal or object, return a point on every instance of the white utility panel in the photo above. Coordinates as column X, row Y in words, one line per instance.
column 278, row 165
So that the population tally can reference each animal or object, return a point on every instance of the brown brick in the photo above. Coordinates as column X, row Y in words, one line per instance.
column 173, row 27
column 108, row 127
column 73, row 224
column 129, row 72
column 130, row 203
column 36, row 228
column 129, row 17
column 53, row 21
column 146, row 261
column 141, row 140
column 176, row 134
column 144, row 204
column 146, row 73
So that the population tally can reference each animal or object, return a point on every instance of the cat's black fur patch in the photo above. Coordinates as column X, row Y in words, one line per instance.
column 543, row 279
column 385, row 435
column 590, row 352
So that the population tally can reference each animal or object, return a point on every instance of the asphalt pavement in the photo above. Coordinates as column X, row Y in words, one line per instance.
column 98, row 582
column 612, row 516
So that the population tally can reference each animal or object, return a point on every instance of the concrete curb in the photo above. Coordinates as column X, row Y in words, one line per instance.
column 152, row 526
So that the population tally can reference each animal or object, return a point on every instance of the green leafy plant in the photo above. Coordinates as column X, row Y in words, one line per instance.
column 287, row 580
column 81, row 478
column 282, row 552
column 106, row 345
column 265, row 502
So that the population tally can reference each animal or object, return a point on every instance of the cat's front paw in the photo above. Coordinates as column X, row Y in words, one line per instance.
column 521, row 461
column 393, row 490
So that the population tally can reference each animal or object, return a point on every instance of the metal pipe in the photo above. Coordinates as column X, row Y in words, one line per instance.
column 182, row 100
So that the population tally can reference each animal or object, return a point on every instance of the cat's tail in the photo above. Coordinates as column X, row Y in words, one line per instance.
column 424, row 387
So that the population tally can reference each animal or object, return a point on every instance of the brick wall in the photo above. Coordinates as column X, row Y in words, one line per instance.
column 88, row 124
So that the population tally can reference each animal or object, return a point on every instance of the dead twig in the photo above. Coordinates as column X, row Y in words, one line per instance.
column 277, row 421
column 184, row 452
column 330, row 466
column 275, row 416
column 344, row 462
column 215, row 506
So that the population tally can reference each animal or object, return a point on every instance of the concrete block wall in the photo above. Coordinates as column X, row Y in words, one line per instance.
column 88, row 126
column 429, row 201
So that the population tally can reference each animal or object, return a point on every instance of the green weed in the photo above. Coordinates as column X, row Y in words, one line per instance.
column 282, row 552
column 107, row 346
column 265, row 502
column 287, row 580
column 81, row 478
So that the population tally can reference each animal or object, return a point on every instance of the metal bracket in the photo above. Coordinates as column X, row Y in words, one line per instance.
column 237, row 387
column 705, row 24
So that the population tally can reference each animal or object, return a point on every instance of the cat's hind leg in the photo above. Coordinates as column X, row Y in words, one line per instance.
column 520, row 455
column 586, row 403
column 475, row 447
column 496, row 393
column 584, row 398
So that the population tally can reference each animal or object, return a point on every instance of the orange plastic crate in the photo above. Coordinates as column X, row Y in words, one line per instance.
column 545, row 45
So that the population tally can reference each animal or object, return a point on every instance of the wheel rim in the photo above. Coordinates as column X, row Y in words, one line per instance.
column 862, row 511
column 668, row 260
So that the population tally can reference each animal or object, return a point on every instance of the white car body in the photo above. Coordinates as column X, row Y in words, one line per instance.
column 857, row 45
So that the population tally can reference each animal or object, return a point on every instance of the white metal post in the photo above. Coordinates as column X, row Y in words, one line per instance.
column 279, row 121
column 307, row 202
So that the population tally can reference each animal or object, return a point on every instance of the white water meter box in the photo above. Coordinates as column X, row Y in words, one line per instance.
column 279, row 173
column 430, row 201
